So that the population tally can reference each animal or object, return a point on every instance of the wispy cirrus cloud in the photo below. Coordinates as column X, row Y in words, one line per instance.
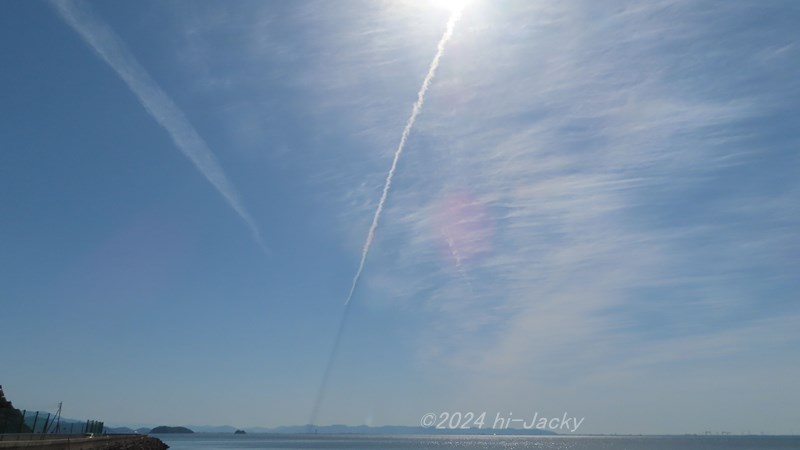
column 608, row 147
column 589, row 189
column 104, row 41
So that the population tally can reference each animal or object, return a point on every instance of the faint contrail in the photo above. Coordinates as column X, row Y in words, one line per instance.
column 371, row 234
column 403, row 138
column 98, row 35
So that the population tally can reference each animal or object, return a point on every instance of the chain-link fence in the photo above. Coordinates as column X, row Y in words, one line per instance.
column 38, row 422
column 31, row 424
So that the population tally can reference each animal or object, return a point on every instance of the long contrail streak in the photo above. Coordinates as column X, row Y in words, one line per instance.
column 415, row 110
column 102, row 39
column 403, row 138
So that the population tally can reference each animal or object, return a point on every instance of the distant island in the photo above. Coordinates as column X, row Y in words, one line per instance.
column 367, row 430
column 170, row 430
column 334, row 429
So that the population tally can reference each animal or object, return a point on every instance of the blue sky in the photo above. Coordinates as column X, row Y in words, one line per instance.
column 596, row 211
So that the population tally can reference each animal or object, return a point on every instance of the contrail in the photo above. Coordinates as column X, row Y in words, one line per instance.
column 98, row 35
column 403, row 138
column 371, row 234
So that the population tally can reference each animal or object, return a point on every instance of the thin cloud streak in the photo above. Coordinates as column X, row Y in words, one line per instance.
column 415, row 110
column 589, row 165
column 98, row 35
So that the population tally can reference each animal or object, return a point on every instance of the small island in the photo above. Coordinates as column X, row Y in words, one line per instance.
column 239, row 432
column 170, row 430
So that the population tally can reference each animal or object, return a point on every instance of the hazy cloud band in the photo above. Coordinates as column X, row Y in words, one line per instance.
column 112, row 50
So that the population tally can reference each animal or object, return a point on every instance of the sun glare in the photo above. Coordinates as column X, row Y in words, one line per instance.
column 450, row 5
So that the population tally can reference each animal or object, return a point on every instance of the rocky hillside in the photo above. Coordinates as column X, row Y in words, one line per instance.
column 11, row 420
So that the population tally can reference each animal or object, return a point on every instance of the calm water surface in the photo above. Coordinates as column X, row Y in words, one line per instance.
column 209, row 441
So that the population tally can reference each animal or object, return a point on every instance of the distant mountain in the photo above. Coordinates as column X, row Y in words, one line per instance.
column 170, row 430
column 121, row 430
column 337, row 429
column 127, row 430
column 393, row 429
column 212, row 429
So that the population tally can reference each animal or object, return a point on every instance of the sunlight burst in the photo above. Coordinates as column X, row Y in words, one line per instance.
column 450, row 5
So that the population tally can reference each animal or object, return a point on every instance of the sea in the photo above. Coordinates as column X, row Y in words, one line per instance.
column 212, row 441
